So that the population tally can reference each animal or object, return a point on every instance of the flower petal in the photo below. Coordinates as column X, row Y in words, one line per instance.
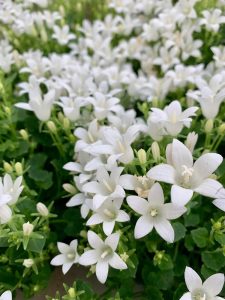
column 155, row 196
column 181, row 155
column 66, row 267
column 88, row 258
column 186, row 296
column 94, row 240
column 192, row 279
column 128, row 182
column 6, row 295
column 142, row 227
column 63, row 248
column 94, row 219
column 214, row 284
column 162, row 172
column 173, row 211
column 122, row 216
column 165, row 230
column 108, row 227
column 180, row 196
column 113, row 240
column 102, row 269
column 116, row 262
column 5, row 214
column 138, row 204
column 220, row 203
column 209, row 188
column 77, row 199
column 58, row 260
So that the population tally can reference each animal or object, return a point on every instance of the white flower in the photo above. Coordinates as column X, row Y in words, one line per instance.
column 208, row 290
column 185, row 175
column 6, row 296
column 40, row 105
column 210, row 95
column 103, row 255
column 172, row 118
column 219, row 56
column 108, row 213
column 71, row 107
column 62, row 34
column 212, row 19
column 140, row 184
column 80, row 199
column 155, row 214
column 14, row 189
column 68, row 256
column 106, row 187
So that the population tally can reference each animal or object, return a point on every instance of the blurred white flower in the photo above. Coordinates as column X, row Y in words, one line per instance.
column 63, row 34
column 13, row 189
column 67, row 257
column 6, row 296
column 209, row 289
column 212, row 19
column 103, row 255
column 155, row 214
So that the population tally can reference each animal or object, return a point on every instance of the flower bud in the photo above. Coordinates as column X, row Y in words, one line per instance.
column 66, row 123
column 191, row 141
column 27, row 228
column 24, row 134
column 72, row 293
column 51, row 126
column 28, row 263
column 221, row 129
column 7, row 167
column 7, row 110
column 69, row 188
column 155, row 151
column 19, row 168
column 42, row 209
column 209, row 126
column 61, row 116
column 142, row 156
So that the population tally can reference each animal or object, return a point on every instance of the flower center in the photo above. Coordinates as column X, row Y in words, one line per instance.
column 108, row 187
column 106, row 253
column 173, row 118
column 71, row 255
column 153, row 212
column 186, row 174
column 199, row 295
column 110, row 214
column 121, row 146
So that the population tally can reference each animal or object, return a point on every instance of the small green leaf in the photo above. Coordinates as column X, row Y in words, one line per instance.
column 200, row 237
column 180, row 231
column 214, row 260
column 36, row 245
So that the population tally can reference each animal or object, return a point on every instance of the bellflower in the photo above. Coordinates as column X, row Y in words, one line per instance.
column 208, row 290
column 155, row 214
column 103, row 255
column 188, row 176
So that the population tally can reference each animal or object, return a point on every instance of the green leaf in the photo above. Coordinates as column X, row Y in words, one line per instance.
column 36, row 245
column 179, row 230
column 74, row 221
column 154, row 294
column 200, row 237
column 166, row 263
column 214, row 260
column 220, row 238
column 191, row 220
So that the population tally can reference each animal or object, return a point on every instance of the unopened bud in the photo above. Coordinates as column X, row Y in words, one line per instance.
column 142, row 156
column 66, row 123
column 155, row 151
column 24, row 134
column 191, row 141
column 83, row 234
column 51, row 126
column 27, row 228
column 19, row 168
column 69, row 188
column 72, row 293
column 7, row 110
column 60, row 117
column 221, row 129
column 217, row 225
column 42, row 209
column 44, row 35
column 209, row 126
column 7, row 167
column 28, row 263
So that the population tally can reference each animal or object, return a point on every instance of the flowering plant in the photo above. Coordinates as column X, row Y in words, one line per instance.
column 112, row 144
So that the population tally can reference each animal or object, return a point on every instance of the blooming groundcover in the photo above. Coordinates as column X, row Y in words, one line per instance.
column 112, row 144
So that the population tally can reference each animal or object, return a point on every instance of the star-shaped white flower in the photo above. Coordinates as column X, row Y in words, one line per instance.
column 68, row 256
column 103, row 255
column 187, row 176
column 155, row 214
column 109, row 213
column 207, row 290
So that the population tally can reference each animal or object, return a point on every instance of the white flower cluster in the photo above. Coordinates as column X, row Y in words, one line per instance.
column 88, row 82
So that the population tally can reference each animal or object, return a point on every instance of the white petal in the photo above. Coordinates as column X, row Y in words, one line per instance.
column 88, row 258
column 173, row 211
column 128, row 182
column 219, row 298
column 58, row 260
column 24, row 105
column 214, row 284
column 142, row 227
column 98, row 201
column 102, row 269
column 186, row 296
column 92, row 187
column 78, row 199
column 220, row 203
column 94, row 240
column 165, row 230
column 155, row 196
column 116, row 262
column 6, row 296
column 181, row 155
column 192, row 279
column 206, row 164
column 66, row 267
column 209, row 188
column 113, row 240
column 72, row 166
column 122, row 216
column 63, row 248
column 94, row 219
column 138, row 204
column 102, row 174
column 162, row 172
column 108, row 227
column 5, row 214
column 180, row 196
